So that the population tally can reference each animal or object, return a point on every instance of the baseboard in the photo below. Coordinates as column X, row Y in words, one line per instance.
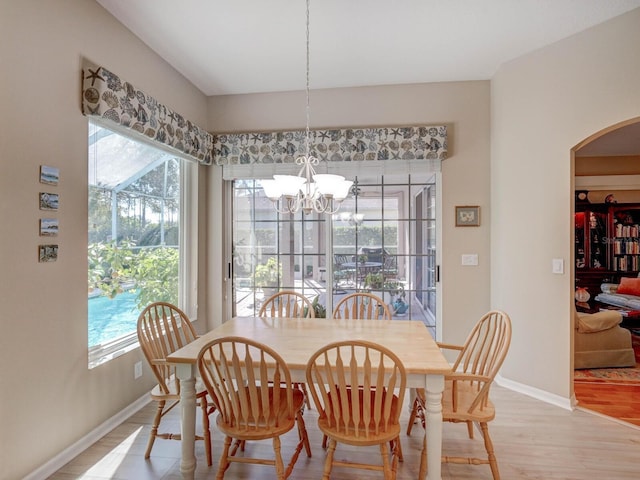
column 64, row 457
column 566, row 403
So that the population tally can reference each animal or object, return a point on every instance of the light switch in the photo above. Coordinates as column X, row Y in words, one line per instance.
column 557, row 266
column 470, row 259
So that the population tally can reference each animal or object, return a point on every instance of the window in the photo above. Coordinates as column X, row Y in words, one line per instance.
column 382, row 240
column 135, row 231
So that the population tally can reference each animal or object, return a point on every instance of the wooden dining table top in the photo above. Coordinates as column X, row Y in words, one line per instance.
column 297, row 339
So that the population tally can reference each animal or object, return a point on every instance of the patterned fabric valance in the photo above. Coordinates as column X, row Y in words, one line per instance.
column 334, row 145
column 106, row 96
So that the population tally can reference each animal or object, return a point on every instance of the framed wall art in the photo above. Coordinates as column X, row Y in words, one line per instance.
column 49, row 175
column 48, row 227
column 49, row 201
column 47, row 253
column 468, row 216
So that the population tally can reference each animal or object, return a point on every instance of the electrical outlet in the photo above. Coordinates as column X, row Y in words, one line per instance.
column 137, row 370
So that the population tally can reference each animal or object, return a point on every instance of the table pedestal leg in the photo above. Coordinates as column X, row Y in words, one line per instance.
column 186, row 375
column 433, row 431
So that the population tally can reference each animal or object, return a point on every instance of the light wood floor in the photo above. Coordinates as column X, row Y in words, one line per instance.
column 533, row 440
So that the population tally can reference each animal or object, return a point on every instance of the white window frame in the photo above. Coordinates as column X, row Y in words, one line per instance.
column 188, row 268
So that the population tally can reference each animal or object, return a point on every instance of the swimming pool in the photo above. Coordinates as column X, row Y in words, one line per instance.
column 112, row 318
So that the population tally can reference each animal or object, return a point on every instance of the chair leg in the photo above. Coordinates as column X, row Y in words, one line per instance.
column 154, row 428
column 493, row 463
column 470, row 428
column 328, row 462
column 324, row 441
column 423, row 459
column 303, row 435
column 303, row 387
column 206, row 428
column 392, row 445
column 278, row 459
column 413, row 416
column 396, row 456
column 386, row 467
column 224, row 458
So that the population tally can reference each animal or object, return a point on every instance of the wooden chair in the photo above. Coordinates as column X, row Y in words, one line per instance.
column 466, row 395
column 162, row 329
column 287, row 304
column 362, row 305
column 353, row 385
column 251, row 387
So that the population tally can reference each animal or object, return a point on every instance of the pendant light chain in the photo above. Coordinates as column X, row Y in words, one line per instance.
column 307, row 191
column 308, row 131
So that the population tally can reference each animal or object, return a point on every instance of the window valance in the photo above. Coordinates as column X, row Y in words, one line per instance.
column 118, row 104
column 333, row 145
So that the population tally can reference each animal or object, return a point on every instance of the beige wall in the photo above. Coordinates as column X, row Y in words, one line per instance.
column 462, row 106
column 48, row 397
column 542, row 106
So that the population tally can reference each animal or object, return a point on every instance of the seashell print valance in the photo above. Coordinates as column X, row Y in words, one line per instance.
column 333, row 145
column 106, row 96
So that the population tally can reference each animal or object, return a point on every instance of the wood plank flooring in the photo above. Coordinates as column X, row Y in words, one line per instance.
column 532, row 439
column 614, row 400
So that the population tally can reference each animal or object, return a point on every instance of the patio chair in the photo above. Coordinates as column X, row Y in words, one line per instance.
column 343, row 274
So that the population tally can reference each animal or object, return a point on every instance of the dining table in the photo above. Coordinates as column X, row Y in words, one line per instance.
column 297, row 339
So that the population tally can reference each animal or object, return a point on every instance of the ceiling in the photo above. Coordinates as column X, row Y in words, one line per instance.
column 247, row 46
column 227, row 47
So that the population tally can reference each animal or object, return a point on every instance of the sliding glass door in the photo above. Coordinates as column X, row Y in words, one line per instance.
column 382, row 240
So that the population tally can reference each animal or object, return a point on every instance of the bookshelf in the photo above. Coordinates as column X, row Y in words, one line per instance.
column 607, row 245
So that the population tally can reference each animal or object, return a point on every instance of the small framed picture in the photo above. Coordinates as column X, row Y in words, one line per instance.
column 49, row 175
column 47, row 253
column 468, row 216
column 49, row 201
column 48, row 227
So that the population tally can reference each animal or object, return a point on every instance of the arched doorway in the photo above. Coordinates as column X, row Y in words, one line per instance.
column 607, row 248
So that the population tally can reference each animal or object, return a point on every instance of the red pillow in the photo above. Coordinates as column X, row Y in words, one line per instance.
column 629, row 286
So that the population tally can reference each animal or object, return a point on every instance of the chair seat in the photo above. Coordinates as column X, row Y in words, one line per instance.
column 279, row 425
column 348, row 433
column 467, row 394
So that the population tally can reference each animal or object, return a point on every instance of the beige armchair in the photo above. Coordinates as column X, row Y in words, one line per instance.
column 600, row 341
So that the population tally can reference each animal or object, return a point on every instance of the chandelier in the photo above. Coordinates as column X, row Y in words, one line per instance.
column 308, row 191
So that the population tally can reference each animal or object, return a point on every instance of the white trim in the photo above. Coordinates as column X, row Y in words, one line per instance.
column 439, row 249
column 607, row 182
column 536, row 393
column 348, row 169
column 188, row 267
column 71, row 452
